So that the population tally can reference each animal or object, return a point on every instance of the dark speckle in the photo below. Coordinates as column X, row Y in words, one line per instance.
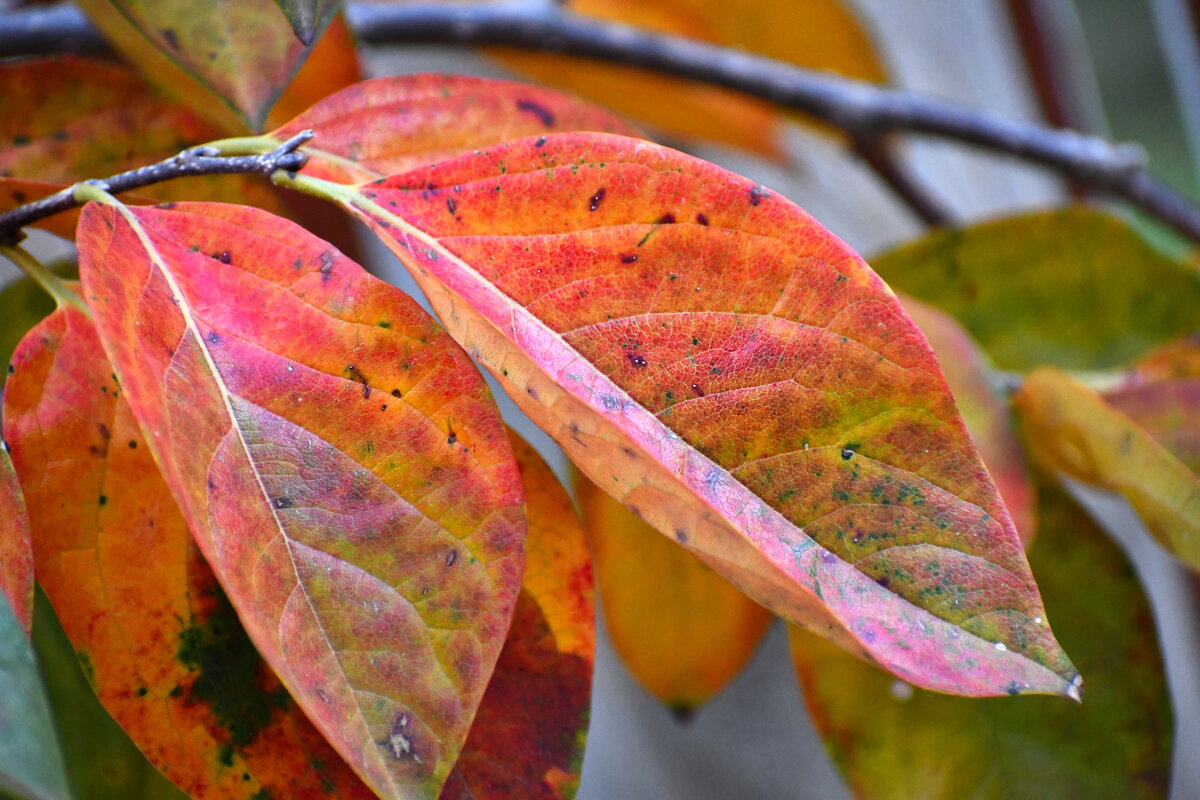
column 104, row 432
column 214, row 337
column 541, row 142
column 451, row 206
column 696, row 388
column 636, row 360
column 224, row 257
column 452, row 438
column 132, row 444
column 681, row 536
column 282, row 502
column 451, row 558
column 597, row 199
column 400, row 742
column 758, row 193
column 326, row 260
column 395, row 393
column 1012, row 690
column 666, row 219
column 103, row 499
column 847, row 454
column 701, row 219
column 628, row 258
column 538, row 110
column 142, row 691
column 171, row 37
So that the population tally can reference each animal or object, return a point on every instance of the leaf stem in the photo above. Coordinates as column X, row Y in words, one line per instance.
column 37, row 272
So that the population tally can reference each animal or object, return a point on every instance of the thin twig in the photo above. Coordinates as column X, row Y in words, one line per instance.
column 196, row 161
column 876, row 152
column 856, row 107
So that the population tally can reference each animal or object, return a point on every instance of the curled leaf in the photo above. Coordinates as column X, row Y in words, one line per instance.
column 165, row 653
column 896, row 742
column 528, row 737
column 711, row 356
column 338, row 460
column 681, row 629
column 387, row 125
column 1071, row 428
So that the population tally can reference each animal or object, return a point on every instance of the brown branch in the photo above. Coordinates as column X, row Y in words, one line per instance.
column 196, row 161
column 860, row 109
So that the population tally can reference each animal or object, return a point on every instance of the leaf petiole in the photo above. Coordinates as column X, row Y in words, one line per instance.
column 37, row 272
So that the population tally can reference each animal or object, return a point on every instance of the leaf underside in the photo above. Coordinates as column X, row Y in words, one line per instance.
column 338, row 460
column 711, row 356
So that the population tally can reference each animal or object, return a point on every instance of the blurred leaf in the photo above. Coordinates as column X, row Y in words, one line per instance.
column 1069, row 427
column 166, row 653
column 985, row 410
column 741, row 377
column 338, row 460
column 16, row 549
column 25, row 305
column 102, row 763
column 86, row 119
column 227, row 60
column 1162, row 395
column 816, row 34
column 332, row 65
column 893, row 741
column 681, row 629
column 308, row 16
column 391, row 124
column 528, row 737
column 1075, row 287
column 31, row 764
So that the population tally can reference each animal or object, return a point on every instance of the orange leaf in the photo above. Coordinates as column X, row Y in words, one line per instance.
column 163, row 649
column 816, row 34
column 84, row 119
column 1162, row 395
column 680, row 628
column 16, row 554
column 391, row 124
column 527, row 739
column 338, row 459
column 332, row 65
column 709, row 354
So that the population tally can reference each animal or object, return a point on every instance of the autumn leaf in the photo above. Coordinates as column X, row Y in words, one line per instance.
column 338, row 460
column 16, row 549
column 527, row 739
column 228, row 61
column 711, row 356
column 1074, row 287
column 165, row 652
column 985, row 410
column 391, row 124
column 1069, row 427
column 815, row 34
column 893, row 741
column 31, row 764
column 680, row 628
column 91, row 119
column 1162, row 395
column 332, row 65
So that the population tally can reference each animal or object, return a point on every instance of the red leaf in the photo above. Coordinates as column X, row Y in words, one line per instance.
column 710, row 355
column 391, row 124
column 527, row 739
column 16, row 553
column 165, row 653
column 338, row 459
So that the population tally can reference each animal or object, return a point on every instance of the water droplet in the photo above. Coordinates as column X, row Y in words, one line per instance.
column 828, row 557
column 1002, row 647
column 901, row 691
column 1039, row 621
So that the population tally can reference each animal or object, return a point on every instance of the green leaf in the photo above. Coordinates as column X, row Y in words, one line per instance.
column 31, row 765
column 896, row 742
column 308, row 17
column 1075, row 287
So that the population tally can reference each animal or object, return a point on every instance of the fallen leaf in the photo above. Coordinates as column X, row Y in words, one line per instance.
column 680, row 628
column 893, row 741
column 391, row 124
column 1075, row 287
column 165, row 651
column 707, row 353
column 228, row 61
column 339, row 461
column 1069, row 427
column 527, row 739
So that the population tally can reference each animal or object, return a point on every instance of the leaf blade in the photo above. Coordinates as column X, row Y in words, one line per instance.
column 591, row 206
column 317, row 598
column 16, row 545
